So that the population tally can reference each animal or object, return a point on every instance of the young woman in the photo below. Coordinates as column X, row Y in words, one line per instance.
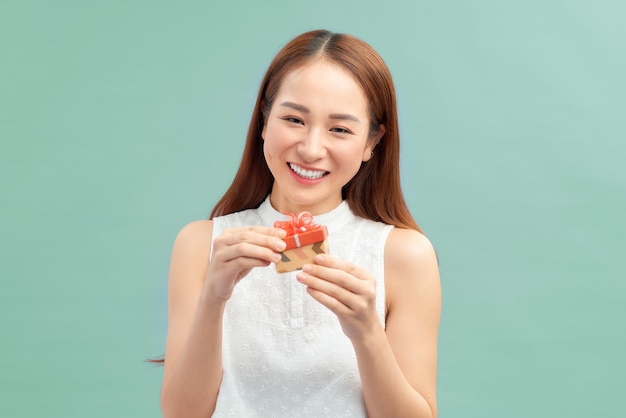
column 355, row 332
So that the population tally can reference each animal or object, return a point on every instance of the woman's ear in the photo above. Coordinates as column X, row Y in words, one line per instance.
column 264, row 115
column 263, row 118
column 368, row 152
column 379, row 134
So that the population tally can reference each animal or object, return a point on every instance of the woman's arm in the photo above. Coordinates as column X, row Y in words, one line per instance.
column 398, row 363
column 197, row 295
column 193, row 355
column 399, row 372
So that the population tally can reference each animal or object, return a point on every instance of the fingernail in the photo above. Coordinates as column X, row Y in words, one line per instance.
column 306, row 268
column 276, row 257
column 319, row 258
column 281, row 245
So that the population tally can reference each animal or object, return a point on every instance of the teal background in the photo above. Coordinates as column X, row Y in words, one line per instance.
column 121, row 121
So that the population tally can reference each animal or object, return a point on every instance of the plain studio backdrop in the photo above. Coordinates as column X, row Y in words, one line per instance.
column 121, row 121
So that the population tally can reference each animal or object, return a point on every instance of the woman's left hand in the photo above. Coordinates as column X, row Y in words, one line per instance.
column 347, row 290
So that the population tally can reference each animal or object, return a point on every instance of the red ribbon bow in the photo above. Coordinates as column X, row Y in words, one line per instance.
column 302, row 222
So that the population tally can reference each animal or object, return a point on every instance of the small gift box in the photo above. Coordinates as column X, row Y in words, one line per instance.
column 304, row 241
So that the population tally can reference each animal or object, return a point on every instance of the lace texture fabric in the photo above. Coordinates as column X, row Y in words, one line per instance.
column 284, row 354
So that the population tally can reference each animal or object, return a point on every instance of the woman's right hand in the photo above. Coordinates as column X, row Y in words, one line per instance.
column 235, row 252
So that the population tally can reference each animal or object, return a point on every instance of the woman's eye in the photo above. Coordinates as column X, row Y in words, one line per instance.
column 293, row 120
column 340, row 130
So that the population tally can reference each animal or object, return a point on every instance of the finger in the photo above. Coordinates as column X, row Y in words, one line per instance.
column 266, row 230
column 329, row 261
column 345, row 296
column 277, row 232
column 247, row 250
column 240, row 268
column 260, row 236
column 261, row 230
column 334, row 305
column 247, row 263
column 336, row 276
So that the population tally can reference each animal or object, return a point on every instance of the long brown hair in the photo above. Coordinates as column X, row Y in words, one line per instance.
column 374, row 192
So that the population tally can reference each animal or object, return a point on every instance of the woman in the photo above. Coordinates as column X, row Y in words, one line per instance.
column 355, row 332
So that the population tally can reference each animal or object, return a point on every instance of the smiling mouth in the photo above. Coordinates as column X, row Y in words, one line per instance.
column 307, row 174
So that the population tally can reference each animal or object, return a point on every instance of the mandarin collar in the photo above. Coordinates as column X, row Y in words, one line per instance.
column 334, row 220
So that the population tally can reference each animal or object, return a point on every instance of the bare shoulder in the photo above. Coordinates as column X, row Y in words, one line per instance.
column 410, row 265
column 191, row 250
column 195, row 234
column 410, row 250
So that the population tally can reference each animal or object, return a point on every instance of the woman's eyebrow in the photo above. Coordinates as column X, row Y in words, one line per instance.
column 304, row 109
column 344, row 116
column 296, row 106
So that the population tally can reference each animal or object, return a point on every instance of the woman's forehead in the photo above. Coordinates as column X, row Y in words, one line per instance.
column 323, row 83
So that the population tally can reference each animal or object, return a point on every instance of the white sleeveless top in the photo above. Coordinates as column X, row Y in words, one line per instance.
column 284, row 354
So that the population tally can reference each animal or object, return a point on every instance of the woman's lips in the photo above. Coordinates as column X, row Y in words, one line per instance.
column 305, row 173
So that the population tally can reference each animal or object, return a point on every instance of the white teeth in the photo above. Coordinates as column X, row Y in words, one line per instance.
column 307, row 174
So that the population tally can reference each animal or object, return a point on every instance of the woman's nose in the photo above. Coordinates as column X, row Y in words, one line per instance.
column 312, row 146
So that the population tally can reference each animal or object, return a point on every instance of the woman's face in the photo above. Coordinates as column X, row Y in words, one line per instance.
column 315, row 137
